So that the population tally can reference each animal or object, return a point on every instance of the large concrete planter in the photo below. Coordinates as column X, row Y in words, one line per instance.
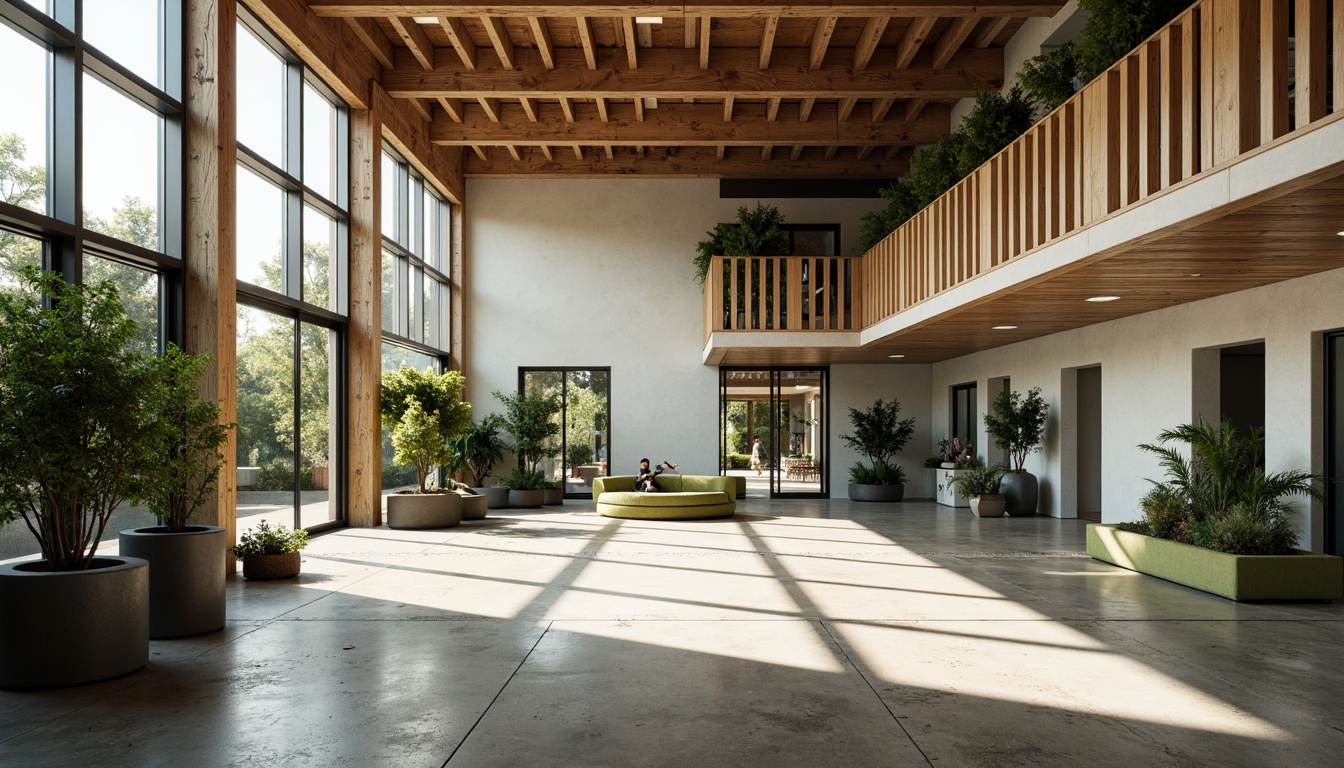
column 1020, row 488
column 526, row 499
column 497, row 496
column 186, row 577
column 271, row 567
column 407, row 511
column 70, row 627
column 474, row 507
column 1300, row 576
column 876, row 492
column 988, row 505
column 553, row 496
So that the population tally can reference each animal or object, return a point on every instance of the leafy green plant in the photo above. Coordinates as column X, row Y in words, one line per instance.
column 880, row 434
column 477, row 449
column 522, row 480
column 424, row 411
column 1048, row 79
column 755, row 233
column 1220, row 496
column 979, row 481
column 880, row 474
column 1017, row 424
column 529, row 420
column 77, row 431
column 186, row 465
column 1116, row 27
column 267, row 539
column 578, row 454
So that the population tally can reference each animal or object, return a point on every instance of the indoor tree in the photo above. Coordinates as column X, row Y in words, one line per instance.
column 424, row 410
column 879, row 434
column 1016, row 423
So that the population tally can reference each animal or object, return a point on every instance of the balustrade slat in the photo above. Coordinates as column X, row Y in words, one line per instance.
column 1273, row 69
column 1309, row 68
column 1339, row 55
column 1150, row 118
column 1169, row 86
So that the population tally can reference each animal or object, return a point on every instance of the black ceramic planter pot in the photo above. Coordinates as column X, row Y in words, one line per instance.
column 876, row 492
column 186, row 577
column 1020, row 488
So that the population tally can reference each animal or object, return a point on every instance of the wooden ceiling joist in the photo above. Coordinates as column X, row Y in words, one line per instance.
column 670, row 73
column 460, row 39
column 821, row 40
column 768, row 40
column 541, row 35
column 499, row 38
column 369, row 33
column 452, row 107
column 736, row 9
column 585, row 27
column 417, row 42
column 868, row 41
column 688, row 162
column 948, row 45
column 913, row 40
column 683, row 125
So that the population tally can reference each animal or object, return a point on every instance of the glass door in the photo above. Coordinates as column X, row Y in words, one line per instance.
column 583, row 449
column 773, row 430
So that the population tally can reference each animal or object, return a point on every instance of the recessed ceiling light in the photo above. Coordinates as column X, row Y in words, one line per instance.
column 648, row 19
column 1340, row 233
column 1100, row 299
column 426, row 20
column 1003, row 327
column 895, row 356
column 1194, row 274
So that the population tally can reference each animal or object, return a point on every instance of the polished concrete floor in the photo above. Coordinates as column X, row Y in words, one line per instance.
column 814, row 633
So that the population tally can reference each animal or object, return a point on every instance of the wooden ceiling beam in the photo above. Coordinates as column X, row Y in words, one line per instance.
column 767, row 41
column 371, row 35
column 673, row 73
column 805, row 107
column 880, row 109
column 795, row 153
column 868, row 40
column 706, row 24
column 422, row 108
column 460, row 39
column 452, row 107
column 728, row 110
column 491, row 107
column 683, row 124
column 601, row 111
column 585, row 26
column 913, row 40
column 821, row 40
column 687, row 162
column 529, row 108
column 913, row 108
column 408, row 29
column 631, row 42
column 737, row 9
column 541, row 35
column 951, row 41
column 985, row 37
column 772, row 109
column 846, row 108
column 499, row 38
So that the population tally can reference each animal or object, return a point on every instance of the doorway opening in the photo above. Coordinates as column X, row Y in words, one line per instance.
column 778, row 416
column 583, row 451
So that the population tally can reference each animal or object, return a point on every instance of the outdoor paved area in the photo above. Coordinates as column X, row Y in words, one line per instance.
column 799, row 633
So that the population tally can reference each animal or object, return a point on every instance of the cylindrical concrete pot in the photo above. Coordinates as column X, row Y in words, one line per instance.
column 497, row 496
column 553, row 496
column 70, row 627
column 271, row 567
column 186, row 577
column 526, row 499
column 988, row 505
column 423, row 510
column 1020, row 488
column 474, row 507
column 859, row 492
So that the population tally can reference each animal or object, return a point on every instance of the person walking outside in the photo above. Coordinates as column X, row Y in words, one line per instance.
column 756, row 455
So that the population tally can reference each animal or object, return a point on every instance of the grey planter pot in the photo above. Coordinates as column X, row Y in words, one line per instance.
column 553, row 496
column 497, row 496
column 73, row 627
column 407, row 511
column 876, row 492
column 186, row 577
column 988, row 505
column 526, row 499
column 474, row 507
column 271, row 567
column 1020, row 489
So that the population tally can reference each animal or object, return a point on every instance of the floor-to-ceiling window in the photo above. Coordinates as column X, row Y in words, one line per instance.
column 583, row 451
column 965, row 425
column 293, row 253
column 416, row 264
column 91, row 163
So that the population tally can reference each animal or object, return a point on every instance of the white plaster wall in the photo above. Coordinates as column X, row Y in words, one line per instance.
column 858, row 386
column 1146, row 368
column 597, row 273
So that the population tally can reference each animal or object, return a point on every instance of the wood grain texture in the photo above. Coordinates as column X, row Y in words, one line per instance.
column 364, row 471
column 684, row 163
column 722, row 8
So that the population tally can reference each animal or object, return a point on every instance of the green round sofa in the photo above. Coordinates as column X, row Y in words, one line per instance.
column 683, row 497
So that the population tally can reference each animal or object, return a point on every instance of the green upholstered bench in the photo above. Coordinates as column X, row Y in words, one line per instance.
column 683, row 497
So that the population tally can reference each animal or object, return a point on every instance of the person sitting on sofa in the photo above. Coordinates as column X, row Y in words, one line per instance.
column 647, row 480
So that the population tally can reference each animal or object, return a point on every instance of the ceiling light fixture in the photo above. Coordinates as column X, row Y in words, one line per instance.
column 1101, row 299
column 1340, row 233
column 1195, row 274
column 648, row 19
column 426, row 20
column 895, row 356
column 1003, row 327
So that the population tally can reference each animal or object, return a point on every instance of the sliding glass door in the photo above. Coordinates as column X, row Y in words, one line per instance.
column 583, row 450
column 773, row 430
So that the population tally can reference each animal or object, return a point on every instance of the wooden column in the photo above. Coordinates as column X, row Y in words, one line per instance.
column 365, row 367
column 457, row 349
column 210, row 267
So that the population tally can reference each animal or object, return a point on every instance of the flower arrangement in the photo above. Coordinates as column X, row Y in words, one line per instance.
column 953, row 452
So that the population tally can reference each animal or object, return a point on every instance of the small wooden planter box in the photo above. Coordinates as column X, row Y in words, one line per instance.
column 1302, row 576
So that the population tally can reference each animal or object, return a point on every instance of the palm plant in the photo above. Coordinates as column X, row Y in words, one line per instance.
column 478, row 449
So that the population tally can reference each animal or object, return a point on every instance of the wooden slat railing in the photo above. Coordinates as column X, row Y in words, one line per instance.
column 1210, row 87
column 783, row 293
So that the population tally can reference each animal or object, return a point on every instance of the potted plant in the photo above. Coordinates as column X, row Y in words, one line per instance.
column 1017, row 425
column 553, row 494
column 756, row 232
column 270, row 552
column 78, row 439
column 424, row 411
column 475, row 506
column 1220, row 523
column 475, row 452
column 981, row 485
column 879, row 434
column 530, row 421
column 578, row 455
column 187, row 562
